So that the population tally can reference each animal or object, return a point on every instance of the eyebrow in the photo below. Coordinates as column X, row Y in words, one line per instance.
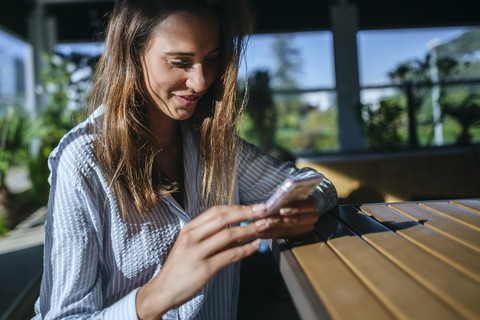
column 189, row 54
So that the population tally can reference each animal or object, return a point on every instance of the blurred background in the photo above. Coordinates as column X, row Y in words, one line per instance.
column 383, row 97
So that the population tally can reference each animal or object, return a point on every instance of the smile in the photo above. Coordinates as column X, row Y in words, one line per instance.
column 188, row 101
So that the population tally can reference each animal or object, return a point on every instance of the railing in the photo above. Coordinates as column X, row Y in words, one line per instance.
column 405, row 88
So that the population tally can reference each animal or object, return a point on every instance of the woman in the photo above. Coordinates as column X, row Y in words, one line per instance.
column 148, row 193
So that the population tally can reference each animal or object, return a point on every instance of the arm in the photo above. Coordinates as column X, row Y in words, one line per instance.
column 71, row 283
column 73, row 252
column 259, row 175
column 204, row 246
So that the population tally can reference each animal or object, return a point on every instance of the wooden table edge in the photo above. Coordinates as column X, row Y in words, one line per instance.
column 304, row 296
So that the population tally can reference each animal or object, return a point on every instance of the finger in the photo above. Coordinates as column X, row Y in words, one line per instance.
column 237, row 213
column 285, row 232
column 299, row 219
column 226, row 257
column 297, row 207
column 220, row 217
column 231, row 237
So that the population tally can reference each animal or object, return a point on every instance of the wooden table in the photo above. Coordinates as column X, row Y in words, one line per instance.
column 413, row 260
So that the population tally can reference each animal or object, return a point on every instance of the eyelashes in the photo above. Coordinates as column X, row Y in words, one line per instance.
column 180, row 63
column 187, row 63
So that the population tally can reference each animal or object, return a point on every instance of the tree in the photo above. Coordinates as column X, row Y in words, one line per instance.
column 285, row 77
column 287, row 58
column 407, row 75
column 65, row 81
column 466, row 110
column 261, row 110
column 382, row 123
column 15, row 135
column 461, row 48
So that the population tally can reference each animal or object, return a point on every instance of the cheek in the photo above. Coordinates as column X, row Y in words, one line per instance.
column 157, row 72
column 165, row 79
column 211, row 76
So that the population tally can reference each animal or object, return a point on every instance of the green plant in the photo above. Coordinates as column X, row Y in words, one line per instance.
column 382, row 123
column 14, row 141
column 3, row 225
column 465, row 109
column 58, row 116
column 261, row 111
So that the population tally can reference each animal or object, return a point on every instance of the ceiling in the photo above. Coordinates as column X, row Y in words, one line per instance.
column 83, row 20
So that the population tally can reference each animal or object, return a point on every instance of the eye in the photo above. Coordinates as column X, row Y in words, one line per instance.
column 180, row 63
column 212, row 60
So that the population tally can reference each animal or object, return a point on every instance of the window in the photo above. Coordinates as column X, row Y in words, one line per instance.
column 300, row 72
column 16, row 73
column 404, row 69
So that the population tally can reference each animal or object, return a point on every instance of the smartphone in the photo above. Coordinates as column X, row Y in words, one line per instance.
column 292, row 189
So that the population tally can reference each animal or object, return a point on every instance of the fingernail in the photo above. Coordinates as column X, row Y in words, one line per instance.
column 258, row 208
column 271, row 221
column 262, row 223
column 288, row 211
column 256, row 243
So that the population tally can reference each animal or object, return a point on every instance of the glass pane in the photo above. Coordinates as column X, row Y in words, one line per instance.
column 432, row 73
column 307, row 123
column 16, row 73
column 311, row 54
column 92, row 49
column 381, row 51
column 292, row 101
column 300, row 124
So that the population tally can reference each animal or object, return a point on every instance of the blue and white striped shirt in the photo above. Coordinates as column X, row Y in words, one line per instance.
column 95, row 260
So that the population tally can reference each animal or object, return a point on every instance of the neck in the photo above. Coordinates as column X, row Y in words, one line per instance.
column 164, row 128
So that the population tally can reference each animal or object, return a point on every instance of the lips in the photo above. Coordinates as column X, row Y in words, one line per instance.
column 188, row 100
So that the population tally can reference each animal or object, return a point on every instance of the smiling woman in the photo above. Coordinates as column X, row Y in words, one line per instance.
column 181, row 63
column 148, row 194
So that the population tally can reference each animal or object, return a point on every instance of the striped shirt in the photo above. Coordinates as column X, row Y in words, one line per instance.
column 95, row 258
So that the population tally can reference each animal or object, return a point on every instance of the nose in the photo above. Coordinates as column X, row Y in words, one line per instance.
column 197, row 80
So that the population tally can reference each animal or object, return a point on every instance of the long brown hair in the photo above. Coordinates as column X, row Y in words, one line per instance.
column 125, row 146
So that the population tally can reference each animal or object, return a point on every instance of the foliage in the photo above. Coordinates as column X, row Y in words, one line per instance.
column 465, row 109
column 463, row 47
column 3, row 227
column 65, row 81
column 285, row 122
column 313, row 131
column 408, row 74
column 261, row 110
column 16, row 131
column 457, row 59
column 287, row 58
column 382, row 124
column 14, row 139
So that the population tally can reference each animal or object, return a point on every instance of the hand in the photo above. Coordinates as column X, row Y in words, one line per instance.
column 293, row 219
column 204, row 246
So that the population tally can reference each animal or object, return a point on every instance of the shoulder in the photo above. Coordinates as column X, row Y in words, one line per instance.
column 76, row 150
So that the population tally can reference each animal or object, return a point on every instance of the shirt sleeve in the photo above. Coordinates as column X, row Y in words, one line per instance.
column 260, row 174
column 71, row 283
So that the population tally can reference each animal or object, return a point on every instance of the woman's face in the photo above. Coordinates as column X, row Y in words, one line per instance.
column 181, row 62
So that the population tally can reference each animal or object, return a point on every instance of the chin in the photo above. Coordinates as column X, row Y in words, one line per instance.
column 183, row 115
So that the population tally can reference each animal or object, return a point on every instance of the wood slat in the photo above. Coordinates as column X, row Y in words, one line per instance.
column 400, row 293
column 450, row 285
column 456, row 213
column 459, row 232
column 301, row 291
column 336, row 286
column 470, row 204
column 457, row 255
